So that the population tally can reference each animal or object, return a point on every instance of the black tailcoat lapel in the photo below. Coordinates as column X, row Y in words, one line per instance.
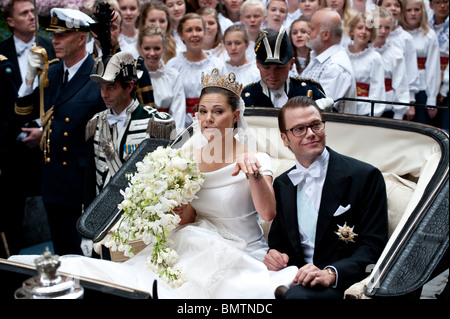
column 333, row 192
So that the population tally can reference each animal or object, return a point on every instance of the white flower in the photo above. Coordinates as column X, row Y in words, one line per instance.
column 165, row 179
column 179, row 163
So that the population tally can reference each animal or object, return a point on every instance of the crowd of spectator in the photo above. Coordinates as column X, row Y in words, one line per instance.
column 412, row 46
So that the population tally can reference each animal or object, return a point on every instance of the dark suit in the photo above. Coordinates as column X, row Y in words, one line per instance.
column 348, row 181
column 13, row 201
column 8, row 49
column 63, row 171
column 20, row 165
column 253, row 94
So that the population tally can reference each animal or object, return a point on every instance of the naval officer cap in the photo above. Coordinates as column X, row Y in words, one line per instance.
column 69, row 20
column 120, row 67
column 272, row 47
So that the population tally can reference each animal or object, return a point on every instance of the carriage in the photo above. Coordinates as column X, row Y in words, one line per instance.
column 413, row 158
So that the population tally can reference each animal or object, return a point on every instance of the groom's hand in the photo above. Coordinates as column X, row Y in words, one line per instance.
column 310, row 275
column 274, row 260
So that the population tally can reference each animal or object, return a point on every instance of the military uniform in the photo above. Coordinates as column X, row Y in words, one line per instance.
column 74, row 105
column 275, row 48
column 20, row 164
column 109, row 149
column 68, row 108
column 258, row 94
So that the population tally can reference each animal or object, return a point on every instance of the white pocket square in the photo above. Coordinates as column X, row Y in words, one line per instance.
column 341, row 210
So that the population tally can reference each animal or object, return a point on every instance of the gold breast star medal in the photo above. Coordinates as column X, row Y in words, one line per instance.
column 345, row 233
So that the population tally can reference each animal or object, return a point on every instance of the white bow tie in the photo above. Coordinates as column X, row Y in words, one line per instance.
column 113, row 119
column 22, row 48
column 298, row 175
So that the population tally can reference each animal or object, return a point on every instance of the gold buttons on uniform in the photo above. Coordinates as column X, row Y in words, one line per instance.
column 65, row 149
column 47, row 159
column 64, row 163
column 67, row 120
column 66, row 134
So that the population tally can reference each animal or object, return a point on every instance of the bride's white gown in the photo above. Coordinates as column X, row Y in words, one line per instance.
column 221, row 253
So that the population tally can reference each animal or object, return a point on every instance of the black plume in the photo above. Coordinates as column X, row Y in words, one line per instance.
column 104, row 16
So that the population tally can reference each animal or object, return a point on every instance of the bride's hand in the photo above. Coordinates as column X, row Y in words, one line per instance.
column 187, row 215
column 249, row 165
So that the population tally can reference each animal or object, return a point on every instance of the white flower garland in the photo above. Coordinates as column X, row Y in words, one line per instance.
column 165, row 179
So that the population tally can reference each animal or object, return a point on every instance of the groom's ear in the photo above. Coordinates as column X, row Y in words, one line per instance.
column 285, row 139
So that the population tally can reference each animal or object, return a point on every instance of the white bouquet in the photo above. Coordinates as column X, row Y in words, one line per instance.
column 165, row 179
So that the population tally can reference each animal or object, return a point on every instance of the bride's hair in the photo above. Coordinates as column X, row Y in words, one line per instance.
column 232, row 98
column 228, row 86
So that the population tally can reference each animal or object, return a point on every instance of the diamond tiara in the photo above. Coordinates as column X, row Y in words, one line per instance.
column 227, row 82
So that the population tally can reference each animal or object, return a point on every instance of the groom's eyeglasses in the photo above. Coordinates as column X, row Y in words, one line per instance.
column 299, row 131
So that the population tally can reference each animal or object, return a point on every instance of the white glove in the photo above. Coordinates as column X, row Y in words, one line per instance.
column 86, row 246
column 325, row 104
column 35, row 62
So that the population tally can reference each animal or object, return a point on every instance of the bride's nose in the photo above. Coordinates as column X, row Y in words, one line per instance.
column 209, row 117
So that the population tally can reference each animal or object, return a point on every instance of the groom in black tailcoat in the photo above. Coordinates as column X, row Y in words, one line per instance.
column 331, row 217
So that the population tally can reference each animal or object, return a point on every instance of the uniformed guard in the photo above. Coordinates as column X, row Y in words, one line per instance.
column 108, row 20
column 65, row 100
column 274, row 59
column 117, row 132
column 114, row 134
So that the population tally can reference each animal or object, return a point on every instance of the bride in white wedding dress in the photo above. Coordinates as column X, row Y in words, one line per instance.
column 220, row 243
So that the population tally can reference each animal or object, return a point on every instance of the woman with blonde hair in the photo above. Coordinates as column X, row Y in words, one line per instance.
column 177, row 9
column 212, row 42
column 415, row 21
column 367, row 65
column 130, row 10
column 253, row 14
column 277, row 11
column 156, row 12
column 395, row 76
column 405, row 42
column 236, row 43
column 167, row 86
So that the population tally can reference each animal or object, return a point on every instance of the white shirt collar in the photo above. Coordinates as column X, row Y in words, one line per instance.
column 322, row 159
column 74, row 68
column 266, row 89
